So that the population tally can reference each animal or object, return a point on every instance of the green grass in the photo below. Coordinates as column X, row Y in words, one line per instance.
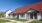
column 36, row 22
column 23, row 20
column 2, row 21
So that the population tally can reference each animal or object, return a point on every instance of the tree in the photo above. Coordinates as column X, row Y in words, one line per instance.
column 2, row 14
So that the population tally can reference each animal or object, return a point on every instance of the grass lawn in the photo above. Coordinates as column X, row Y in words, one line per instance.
column 2, row 21
column 23, row 20
column 36, row 22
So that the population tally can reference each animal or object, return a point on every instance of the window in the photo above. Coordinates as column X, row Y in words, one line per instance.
column 21, row 15
column 9, row 15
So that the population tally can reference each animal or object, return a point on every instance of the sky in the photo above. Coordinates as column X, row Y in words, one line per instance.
column 13, row 4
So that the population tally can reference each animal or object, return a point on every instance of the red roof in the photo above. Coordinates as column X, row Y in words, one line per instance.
column 37, row 6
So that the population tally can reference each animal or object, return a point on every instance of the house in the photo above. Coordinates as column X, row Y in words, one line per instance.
column 7, row 14
column 31, row 11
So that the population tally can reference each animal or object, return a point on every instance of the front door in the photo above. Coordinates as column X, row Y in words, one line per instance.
column 33, row 15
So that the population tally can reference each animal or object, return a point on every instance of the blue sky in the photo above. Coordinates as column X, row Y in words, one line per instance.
column 13, row 4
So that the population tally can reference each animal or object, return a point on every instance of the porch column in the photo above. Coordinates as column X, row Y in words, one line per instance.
column 29, row 15
column 19, row 16
column 33, row 16
column 26, row 17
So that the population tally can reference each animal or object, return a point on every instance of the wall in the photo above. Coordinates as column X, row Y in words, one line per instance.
column 10, row 16
column 15, row 16
column 6, row 16
column 21, row 17
column 38, row 16
column 8, row 12
column 25, row 16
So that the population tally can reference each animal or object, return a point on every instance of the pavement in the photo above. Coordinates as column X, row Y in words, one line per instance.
column 14, row 21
